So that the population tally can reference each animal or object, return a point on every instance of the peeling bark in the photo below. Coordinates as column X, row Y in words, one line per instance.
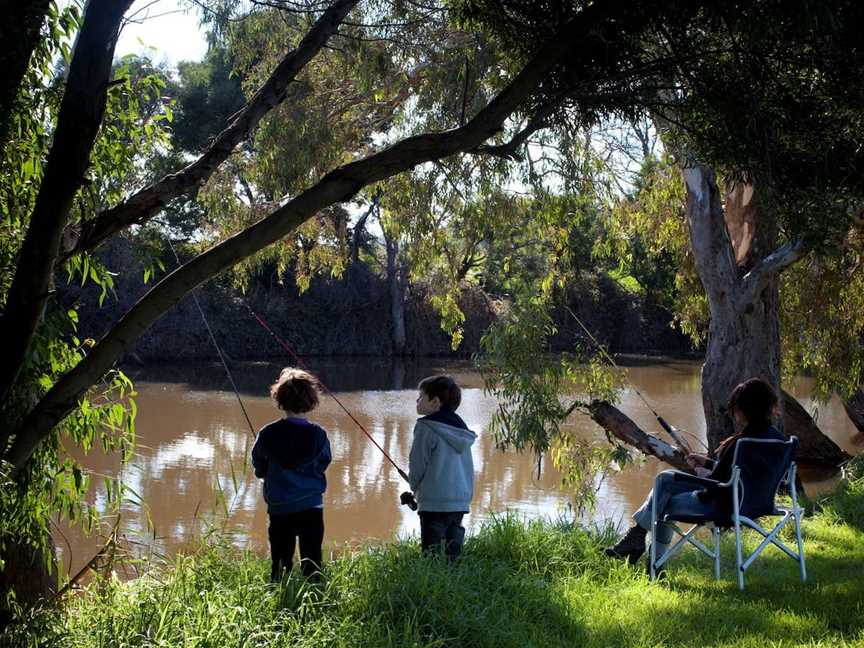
column 619, row 425
column 744, row 331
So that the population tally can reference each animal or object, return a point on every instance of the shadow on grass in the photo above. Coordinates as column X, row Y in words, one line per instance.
column 775, row 602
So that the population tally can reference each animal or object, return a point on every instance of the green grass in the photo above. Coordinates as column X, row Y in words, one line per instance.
column 535, row 584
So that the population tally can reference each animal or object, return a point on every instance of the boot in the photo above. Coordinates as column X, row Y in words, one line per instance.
column 631, row 546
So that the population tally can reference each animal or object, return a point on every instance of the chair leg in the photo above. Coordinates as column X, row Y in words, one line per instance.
column 716, row 533
column 739, row 563
column 800, row 546
column 652, row 550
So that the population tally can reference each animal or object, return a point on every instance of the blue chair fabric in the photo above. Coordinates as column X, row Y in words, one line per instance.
column 760, row 467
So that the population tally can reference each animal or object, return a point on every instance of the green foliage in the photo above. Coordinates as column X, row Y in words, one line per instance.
column 30, row 130
column 530, row 385
column 207, row 94
column 52, row 485
column 822, row 319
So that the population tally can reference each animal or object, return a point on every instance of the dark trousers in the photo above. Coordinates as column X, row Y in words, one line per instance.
column 285, row 529
column 436, row 528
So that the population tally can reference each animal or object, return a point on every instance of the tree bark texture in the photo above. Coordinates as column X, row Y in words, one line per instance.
column 854, row 407
column 622, row 427
column 20, row 30
column 741, row 282
column 149, row 201
column 580, row 38
column 27, row 574
column 81, row 112
column 814, row 448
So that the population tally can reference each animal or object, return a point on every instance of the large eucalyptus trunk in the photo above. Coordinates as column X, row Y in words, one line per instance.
column 733, row 249
column 26, row 572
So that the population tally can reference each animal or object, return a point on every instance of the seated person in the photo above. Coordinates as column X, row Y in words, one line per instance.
column 752, row 403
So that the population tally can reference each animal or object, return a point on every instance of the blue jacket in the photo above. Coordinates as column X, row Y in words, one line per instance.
column 291, row 456
column 440, row 467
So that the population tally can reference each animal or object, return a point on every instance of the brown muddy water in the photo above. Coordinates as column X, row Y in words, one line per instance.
column 190, row 465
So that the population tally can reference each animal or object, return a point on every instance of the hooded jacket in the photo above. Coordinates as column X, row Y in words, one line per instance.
column 440, row 467
column 291, row 456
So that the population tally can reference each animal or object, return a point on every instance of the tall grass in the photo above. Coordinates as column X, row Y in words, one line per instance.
column 518, row 584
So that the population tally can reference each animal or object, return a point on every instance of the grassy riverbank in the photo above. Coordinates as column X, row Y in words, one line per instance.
column 518, row 585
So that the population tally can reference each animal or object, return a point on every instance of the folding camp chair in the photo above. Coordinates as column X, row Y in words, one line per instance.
column 760, row 467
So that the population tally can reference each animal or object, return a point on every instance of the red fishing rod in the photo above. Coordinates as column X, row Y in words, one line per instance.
column 327, row 391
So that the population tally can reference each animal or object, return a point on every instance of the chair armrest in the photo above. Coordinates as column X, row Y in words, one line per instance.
column 701, row 481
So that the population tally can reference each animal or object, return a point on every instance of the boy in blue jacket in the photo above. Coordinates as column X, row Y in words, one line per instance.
column 440, row 467
column 291, row 455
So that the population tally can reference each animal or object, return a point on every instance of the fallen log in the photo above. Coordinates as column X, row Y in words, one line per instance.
column 622, row 427
column 814, row 448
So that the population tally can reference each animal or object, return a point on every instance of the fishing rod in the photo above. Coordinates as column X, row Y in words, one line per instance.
column 406, row 498
column 327, row 391
column 670, row 430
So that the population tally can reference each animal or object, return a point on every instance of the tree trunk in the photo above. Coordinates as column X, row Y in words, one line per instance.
column 78, row 122
column 741, row 283
column 359, row 231
column 854, row 407
column 20, row 30
column 27, row 574
column 396, row 286
column 814, row 448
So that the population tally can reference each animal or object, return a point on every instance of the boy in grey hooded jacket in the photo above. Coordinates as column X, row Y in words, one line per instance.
column 441, row 469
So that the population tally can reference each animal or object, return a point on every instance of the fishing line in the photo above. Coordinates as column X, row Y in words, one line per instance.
column 216, row 346
column 324, row 387
column 296, row 358
column 670, row 430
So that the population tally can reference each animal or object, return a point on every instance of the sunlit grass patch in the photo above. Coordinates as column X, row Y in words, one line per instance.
column 518, row 584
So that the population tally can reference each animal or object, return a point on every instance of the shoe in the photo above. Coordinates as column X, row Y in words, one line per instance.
column 631, row 546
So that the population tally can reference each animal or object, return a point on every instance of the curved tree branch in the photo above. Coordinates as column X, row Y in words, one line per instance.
column 755, row 281
column 510, row 150
column 619, row 425
column 149, row 201
column 581, row 36
column 78, row 121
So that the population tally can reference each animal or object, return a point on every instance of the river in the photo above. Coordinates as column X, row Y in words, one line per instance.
column 190, row 471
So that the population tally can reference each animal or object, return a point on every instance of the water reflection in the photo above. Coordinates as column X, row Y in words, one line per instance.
column 193, row 446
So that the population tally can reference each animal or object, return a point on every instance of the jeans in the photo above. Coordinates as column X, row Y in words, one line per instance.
column 436, row 528
column 285, row 529
column 673, row 497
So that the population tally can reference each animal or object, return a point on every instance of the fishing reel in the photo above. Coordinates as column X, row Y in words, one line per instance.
column 407, row 499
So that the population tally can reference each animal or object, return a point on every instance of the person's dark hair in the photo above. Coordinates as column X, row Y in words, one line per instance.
column 444, row 388
column 295, row 391
column 756, row 400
